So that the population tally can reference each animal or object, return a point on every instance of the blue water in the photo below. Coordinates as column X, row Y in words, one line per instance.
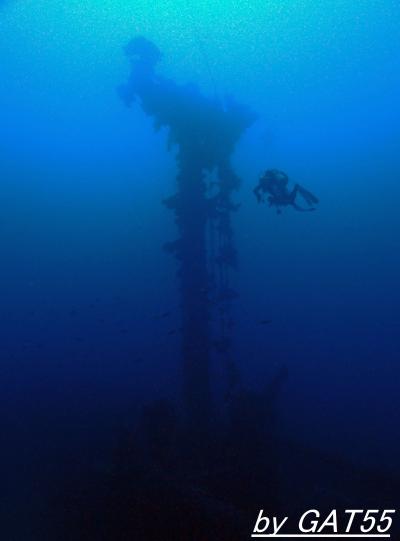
column 84, row 278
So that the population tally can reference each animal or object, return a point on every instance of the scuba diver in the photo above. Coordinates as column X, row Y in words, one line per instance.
column 275, row 183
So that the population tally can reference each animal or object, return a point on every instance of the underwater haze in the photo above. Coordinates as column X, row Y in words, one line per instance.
column 91, row 304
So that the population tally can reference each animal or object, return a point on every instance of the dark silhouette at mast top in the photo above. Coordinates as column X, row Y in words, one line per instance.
column 205, row 134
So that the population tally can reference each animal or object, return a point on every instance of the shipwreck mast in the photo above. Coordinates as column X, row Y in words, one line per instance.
column 205, row 135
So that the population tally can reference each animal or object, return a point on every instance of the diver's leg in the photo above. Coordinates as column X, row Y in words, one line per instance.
column 308, row 197
column 301, row 209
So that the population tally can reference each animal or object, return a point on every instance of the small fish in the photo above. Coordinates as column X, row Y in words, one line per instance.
column 163, row 315
column 221, row 346
column 175, row 331
column 265, row 321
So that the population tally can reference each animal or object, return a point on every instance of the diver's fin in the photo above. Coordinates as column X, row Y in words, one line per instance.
column 301, row 209
column 308, row 197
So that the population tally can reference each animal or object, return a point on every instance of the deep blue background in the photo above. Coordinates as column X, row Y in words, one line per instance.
column 83, row 275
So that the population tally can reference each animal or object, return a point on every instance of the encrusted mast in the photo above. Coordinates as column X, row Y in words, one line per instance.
column 205, row 134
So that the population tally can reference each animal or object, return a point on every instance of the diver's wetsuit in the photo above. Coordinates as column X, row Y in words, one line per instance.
column 274, row 182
